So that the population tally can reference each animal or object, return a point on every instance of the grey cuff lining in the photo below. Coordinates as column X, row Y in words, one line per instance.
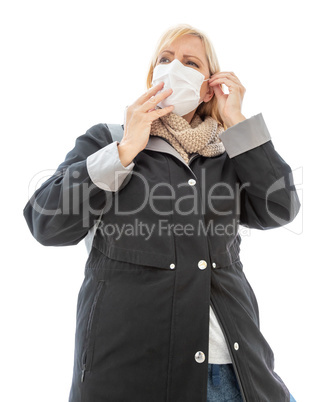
column 246, row 135
column 105, row 168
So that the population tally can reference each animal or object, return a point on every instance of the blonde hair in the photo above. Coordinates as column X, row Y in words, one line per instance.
column 205, row 109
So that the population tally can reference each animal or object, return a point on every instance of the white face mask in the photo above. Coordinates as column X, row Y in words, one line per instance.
column 184, row 81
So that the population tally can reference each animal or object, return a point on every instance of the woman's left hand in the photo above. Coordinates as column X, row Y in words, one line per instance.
column 229, row 105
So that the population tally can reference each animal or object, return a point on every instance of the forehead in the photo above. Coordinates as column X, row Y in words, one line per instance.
column 186, row 44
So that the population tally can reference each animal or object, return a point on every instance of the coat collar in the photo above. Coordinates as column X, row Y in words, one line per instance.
column 161, row 145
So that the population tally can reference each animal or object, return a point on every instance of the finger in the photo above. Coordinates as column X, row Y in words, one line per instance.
column 229, row 83
column 219, row 93
column 228, row 75
column 218, row 90
column 151, row 92
column 155, row 114
column 219, row 81
column 152, row 102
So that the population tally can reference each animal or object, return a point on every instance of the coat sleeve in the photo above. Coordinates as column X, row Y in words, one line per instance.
column 268, row 197
column 65, row 207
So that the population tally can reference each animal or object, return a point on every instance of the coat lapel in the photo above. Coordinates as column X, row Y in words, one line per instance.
column 161, row 145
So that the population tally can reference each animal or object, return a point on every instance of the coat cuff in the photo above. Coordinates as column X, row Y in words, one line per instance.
column 105, row 168
column 246, row 135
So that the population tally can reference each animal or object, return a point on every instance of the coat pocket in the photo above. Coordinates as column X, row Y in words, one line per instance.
column 87, row 354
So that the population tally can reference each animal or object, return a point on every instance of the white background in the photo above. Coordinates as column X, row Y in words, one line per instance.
column 68, row 65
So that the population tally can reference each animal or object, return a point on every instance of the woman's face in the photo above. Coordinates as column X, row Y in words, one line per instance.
column 190, row 51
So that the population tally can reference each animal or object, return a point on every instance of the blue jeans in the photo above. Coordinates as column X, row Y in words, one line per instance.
column 222, row 384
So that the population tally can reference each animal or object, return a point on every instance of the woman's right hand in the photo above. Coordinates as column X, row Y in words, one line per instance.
column 139, row 118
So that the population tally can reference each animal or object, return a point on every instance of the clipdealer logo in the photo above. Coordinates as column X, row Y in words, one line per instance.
column 166, row 228
column 76, row 200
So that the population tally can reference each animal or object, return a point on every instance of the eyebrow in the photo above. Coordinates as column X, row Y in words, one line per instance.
column 185, row 55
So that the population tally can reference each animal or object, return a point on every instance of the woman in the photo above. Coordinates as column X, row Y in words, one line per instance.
column 165, row 312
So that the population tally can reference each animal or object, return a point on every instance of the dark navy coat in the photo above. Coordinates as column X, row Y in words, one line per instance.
column 143, row 307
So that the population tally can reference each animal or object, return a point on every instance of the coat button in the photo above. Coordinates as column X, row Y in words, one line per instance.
column 202, row 264
column 172, row 266
column 214, row 264
column 200, row 357
column 191, row 182
column 236, row 346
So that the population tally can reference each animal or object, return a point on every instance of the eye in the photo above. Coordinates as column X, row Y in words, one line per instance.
column 191, row 63
column 164, row 60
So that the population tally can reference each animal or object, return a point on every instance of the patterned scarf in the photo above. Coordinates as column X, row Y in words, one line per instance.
column 201, row 136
